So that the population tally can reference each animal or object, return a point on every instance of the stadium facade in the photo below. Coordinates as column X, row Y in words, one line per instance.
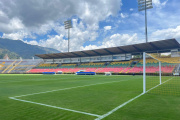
column 121, row 59
column 114, row 53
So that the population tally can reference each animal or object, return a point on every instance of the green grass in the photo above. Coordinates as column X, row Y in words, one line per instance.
column 96, row 99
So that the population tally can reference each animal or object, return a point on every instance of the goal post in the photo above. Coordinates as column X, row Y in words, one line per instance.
column 161, row 75
column 107, row 73
column 146, row 73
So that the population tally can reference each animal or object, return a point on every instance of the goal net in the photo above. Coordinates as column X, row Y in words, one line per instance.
column 107, row 73
column 161, row 74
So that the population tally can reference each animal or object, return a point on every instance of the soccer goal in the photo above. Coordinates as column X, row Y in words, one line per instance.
column 161, row 75
column 107, row 73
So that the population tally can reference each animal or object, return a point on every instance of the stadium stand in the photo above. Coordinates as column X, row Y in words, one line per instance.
column 17, row 66
column 67, row 66
column 47, row 65
column 152, row 66
column 115, row 60
column 92, row 65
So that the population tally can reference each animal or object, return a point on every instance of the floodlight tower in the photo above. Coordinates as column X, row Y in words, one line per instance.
column 144, row 5
column 68, row 25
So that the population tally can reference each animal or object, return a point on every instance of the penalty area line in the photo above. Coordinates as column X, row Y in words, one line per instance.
column 54, row 107
column 120, row 106
column 91, row 114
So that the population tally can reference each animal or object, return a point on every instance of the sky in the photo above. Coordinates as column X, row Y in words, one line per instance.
column 96, row 23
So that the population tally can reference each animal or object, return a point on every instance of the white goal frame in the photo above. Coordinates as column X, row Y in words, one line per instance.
column 144, row 71
column 107, row 73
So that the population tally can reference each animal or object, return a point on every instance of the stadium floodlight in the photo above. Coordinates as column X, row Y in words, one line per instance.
column 68, row 25
column 144, row 5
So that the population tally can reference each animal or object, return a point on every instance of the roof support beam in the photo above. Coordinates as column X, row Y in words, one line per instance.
column 154, row 46
column 66, row 55
column 75, row 54
column 85, row 53
column 108, row 51
column 58, row 55
column 176, row 43
column 49, row 56
column 96, row 52
column 122, row 50
column 138, row 49
column 55, row 55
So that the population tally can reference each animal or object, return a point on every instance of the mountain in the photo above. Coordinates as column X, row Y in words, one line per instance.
column 17, row 48
column 12, row 55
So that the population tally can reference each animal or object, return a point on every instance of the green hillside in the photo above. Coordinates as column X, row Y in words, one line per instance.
column 11, row 55
column 17, row 48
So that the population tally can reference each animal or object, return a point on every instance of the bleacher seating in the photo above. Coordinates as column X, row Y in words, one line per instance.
column 119, row 64
column 91, row 65
column 17, row 66
column 48, row 65
column 152, row 66
column 67, row 66
column 132, row 66
column 110, row 69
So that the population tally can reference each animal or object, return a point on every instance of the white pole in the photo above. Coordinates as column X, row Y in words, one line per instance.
column 144, row 72
column 160, row 71
column 68, row 38
column 146, row 22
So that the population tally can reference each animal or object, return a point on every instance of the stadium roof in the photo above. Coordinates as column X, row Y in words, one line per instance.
column 157, row 46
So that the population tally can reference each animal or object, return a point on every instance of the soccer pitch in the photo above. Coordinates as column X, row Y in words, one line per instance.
column 72, row 97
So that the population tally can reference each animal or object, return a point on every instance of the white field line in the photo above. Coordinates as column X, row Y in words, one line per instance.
column 120, row 106
column 55, row 107
column 159, row 84
column 14, row 98
column 69, row 88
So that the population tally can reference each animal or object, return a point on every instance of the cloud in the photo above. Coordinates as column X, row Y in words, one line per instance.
column 167, row 33
column 131, row 9
column 115, row 40
column 79, row 34
column 159, row 4
column 156, row 2
column 16, row 36
column 29, row 19
column 32, row 18
column 90, row 47
column 120, row 39
column 123, row 15
column 10, row 25
column 33, row 42
column 107, row 28
column 35, row 13
column 56, row 42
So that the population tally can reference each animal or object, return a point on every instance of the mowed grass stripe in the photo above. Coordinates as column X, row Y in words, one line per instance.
column 150, row 106
column 97, row 99
column 5, row 79
column 69, row 88
column 55, row 107
column 9, row 79
column 33, row 87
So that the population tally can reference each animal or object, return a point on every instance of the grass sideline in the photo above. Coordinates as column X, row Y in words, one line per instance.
column 96, row 99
